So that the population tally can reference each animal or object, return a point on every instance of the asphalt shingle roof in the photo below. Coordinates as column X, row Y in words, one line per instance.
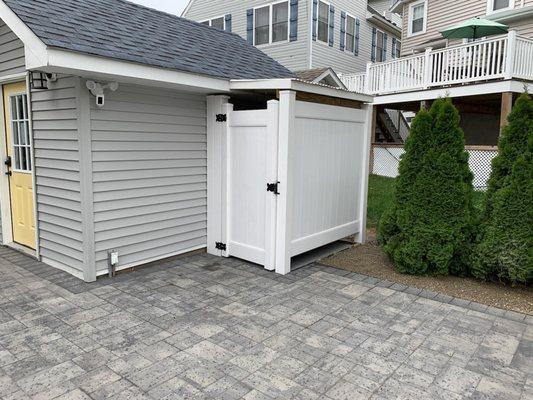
column 122, row 30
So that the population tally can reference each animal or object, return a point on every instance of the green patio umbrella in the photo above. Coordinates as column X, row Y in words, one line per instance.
column 474, row 28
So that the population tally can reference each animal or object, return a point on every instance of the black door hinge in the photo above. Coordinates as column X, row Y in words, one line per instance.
column 273, row 187
column 222, row 117
column 220, row 246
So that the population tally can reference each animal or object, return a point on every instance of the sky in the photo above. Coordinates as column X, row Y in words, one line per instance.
column 170, row 6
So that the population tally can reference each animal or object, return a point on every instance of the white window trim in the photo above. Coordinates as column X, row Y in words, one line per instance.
column 23, row 146
column 410, row 18
column 270, row 16
column 317, row 19
column 491, row 10
column 210, row 20
column 346, row 32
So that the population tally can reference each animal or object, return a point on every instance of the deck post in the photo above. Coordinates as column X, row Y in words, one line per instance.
column 367, row 78
column 507, row 106
column 427, row 68
column 510, row 54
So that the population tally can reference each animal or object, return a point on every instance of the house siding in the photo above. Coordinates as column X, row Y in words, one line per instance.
column 12, row 59
column 444, row 13
column 341, row 61
column 55, row 115
column 293, row 55
column 149, row 162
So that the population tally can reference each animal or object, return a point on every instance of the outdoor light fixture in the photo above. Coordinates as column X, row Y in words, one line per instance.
column 40, row 80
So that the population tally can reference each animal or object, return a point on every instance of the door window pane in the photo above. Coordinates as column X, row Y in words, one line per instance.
column 350, row 34
column 323, row 22
column 20, row 130
column 280, row 22
column 262, row 25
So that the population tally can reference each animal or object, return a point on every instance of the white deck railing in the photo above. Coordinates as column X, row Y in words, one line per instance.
column 502, row 57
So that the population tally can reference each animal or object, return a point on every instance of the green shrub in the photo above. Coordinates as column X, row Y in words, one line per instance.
column 506, row 242
column 429, row 227
column 513, row 142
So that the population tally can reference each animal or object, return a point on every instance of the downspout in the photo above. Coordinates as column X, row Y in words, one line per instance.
column 310, row 34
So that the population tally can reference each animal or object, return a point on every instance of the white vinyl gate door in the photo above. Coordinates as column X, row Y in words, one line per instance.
column 252, row 165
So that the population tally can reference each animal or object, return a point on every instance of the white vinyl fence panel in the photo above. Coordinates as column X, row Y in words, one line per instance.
column 327, row 174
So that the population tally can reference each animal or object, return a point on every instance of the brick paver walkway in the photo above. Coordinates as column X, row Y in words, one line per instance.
column 205, row 328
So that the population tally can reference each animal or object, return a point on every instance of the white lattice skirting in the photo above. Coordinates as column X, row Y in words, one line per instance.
column 386, row 161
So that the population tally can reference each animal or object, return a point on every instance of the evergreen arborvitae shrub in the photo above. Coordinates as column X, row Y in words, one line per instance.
column 430, row 226
column 505, row 249
column 513, row 142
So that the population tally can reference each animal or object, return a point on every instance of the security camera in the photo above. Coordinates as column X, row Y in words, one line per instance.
column 100, row 100
column 98, row 90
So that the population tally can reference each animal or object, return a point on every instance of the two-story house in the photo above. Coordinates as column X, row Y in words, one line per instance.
column 304, row 35
column 483, row 76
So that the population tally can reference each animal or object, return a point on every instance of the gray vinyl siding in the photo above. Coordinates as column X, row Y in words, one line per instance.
column 57, row 171
column 12, row 59
column 293, row 55
column 441, row 14
column 342, row 61
column 149, row 164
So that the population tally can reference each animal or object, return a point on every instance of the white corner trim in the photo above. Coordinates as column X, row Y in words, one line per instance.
column 292, row 84
column 85, row 65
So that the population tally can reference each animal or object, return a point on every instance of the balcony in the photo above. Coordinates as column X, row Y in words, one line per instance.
column 497, row 58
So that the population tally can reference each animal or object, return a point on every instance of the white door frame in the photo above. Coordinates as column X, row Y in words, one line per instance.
column 5, row 194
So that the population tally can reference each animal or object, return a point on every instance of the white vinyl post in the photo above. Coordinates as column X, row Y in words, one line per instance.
column 428, row 68
column 365, row 172
column 272, row 177
column 216, row 171
column 287, row 105
column 511, row 54
column 367, row 78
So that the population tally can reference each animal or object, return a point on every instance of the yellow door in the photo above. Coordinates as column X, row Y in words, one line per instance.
column 17, row 128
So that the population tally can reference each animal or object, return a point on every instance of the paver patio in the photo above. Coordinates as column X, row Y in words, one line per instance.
column 200, row 327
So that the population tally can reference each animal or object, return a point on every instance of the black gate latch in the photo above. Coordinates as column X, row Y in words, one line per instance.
column 273, row 187
column 221, row 117
column 220, row 246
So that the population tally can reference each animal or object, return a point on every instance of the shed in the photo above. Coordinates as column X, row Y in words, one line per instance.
column 133, row 135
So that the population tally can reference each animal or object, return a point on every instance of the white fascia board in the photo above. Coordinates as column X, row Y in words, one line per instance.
column 299, row 86
column 459, row 91
column 34, row 48
column 89, row 66
column 382, row 23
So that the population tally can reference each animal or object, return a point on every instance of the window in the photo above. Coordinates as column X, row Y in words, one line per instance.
column 280, row 22
column 499, row 5
column 218, row 23
column 350, row 34
column 396, row 48
column 21, row 133
column 380, row 45
column 271, row 23
column 417, row 18
column 323, row 22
